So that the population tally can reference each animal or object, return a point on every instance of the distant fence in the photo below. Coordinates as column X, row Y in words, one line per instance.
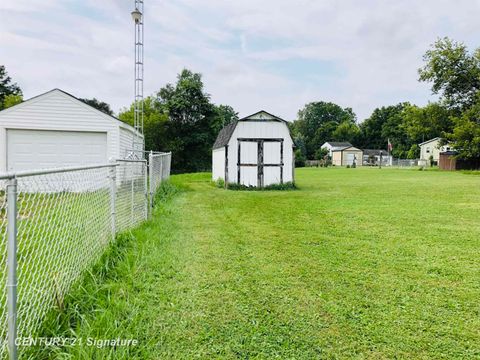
column 449, row 161
column 405, row 162
column 55, row 224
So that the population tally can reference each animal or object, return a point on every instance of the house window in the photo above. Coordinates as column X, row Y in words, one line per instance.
column 428, row 150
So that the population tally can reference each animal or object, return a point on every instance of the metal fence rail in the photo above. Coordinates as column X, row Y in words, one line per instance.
column 54, row 225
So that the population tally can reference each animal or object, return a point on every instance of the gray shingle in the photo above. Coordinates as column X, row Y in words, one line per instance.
column 224, row 135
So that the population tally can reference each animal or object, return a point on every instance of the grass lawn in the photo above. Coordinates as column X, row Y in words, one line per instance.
column 358, row 263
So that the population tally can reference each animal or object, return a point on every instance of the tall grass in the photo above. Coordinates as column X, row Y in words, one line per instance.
column 92, row 293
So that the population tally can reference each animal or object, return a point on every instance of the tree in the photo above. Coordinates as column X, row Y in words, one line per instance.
column 99, row 105
column 453, row 72
column 180, row 118
column 320, row 154
column 465, row 136
column 346, row 131
column 12, row 100
column 414, row 152
column 155, row 124
column 299, row 158
column 433, row 120
column 317, row 123
column 385, row 123
column 7, row 87
column 227, row 114
column 193, row 124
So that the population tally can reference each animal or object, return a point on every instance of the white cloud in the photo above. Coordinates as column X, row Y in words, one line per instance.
column 375, row 48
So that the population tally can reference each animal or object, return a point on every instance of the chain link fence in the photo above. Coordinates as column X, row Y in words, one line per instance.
column 54, row 225
column 159, row 170
column 405, row 163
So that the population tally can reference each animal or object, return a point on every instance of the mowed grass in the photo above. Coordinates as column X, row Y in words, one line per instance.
column 357, row 263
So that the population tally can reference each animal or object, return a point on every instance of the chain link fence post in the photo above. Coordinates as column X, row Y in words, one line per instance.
column 113, row 195
column 12, row 266
column 169, row 164
column 161, row 168
column 151, row 182
column 145, row 189
column 132, row 198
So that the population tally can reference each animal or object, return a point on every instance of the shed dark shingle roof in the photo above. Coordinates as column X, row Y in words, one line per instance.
column 224, row 135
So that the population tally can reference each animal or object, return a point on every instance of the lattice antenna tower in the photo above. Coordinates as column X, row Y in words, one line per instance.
column 138, row 18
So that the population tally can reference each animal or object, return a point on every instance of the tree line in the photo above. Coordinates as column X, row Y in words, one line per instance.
column 182, row 118
column 454, row 74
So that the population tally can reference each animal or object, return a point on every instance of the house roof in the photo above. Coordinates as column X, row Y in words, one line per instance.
column 429, row 141
column 347, row 148
column 121, row 123
column 338, row 145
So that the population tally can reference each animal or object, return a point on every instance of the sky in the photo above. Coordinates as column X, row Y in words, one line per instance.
column 275, row 55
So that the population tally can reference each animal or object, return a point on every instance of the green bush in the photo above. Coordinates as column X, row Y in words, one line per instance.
column 299, row 158
column 220, row 183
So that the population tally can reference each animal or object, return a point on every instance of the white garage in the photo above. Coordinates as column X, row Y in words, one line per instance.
column 56, row 129
column 254, row 151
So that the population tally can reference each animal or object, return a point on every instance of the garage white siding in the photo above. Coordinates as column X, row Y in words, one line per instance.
column 30, row 149
column 57, row 111
column 126, row 142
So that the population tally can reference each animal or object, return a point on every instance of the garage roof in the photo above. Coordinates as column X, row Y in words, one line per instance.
column 110, row 117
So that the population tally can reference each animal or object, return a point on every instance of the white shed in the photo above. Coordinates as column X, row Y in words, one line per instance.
column 56, row 129
column 255, row 151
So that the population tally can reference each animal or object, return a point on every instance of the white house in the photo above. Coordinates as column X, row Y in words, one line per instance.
column 255, row 151
column 432, row 148
column 332, row 146
column 56, row 129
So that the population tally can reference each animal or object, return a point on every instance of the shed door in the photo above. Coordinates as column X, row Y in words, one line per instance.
column 350, row 157
column 41, row 149
column 248, row 163
column 260, row 162
column 272, row 157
